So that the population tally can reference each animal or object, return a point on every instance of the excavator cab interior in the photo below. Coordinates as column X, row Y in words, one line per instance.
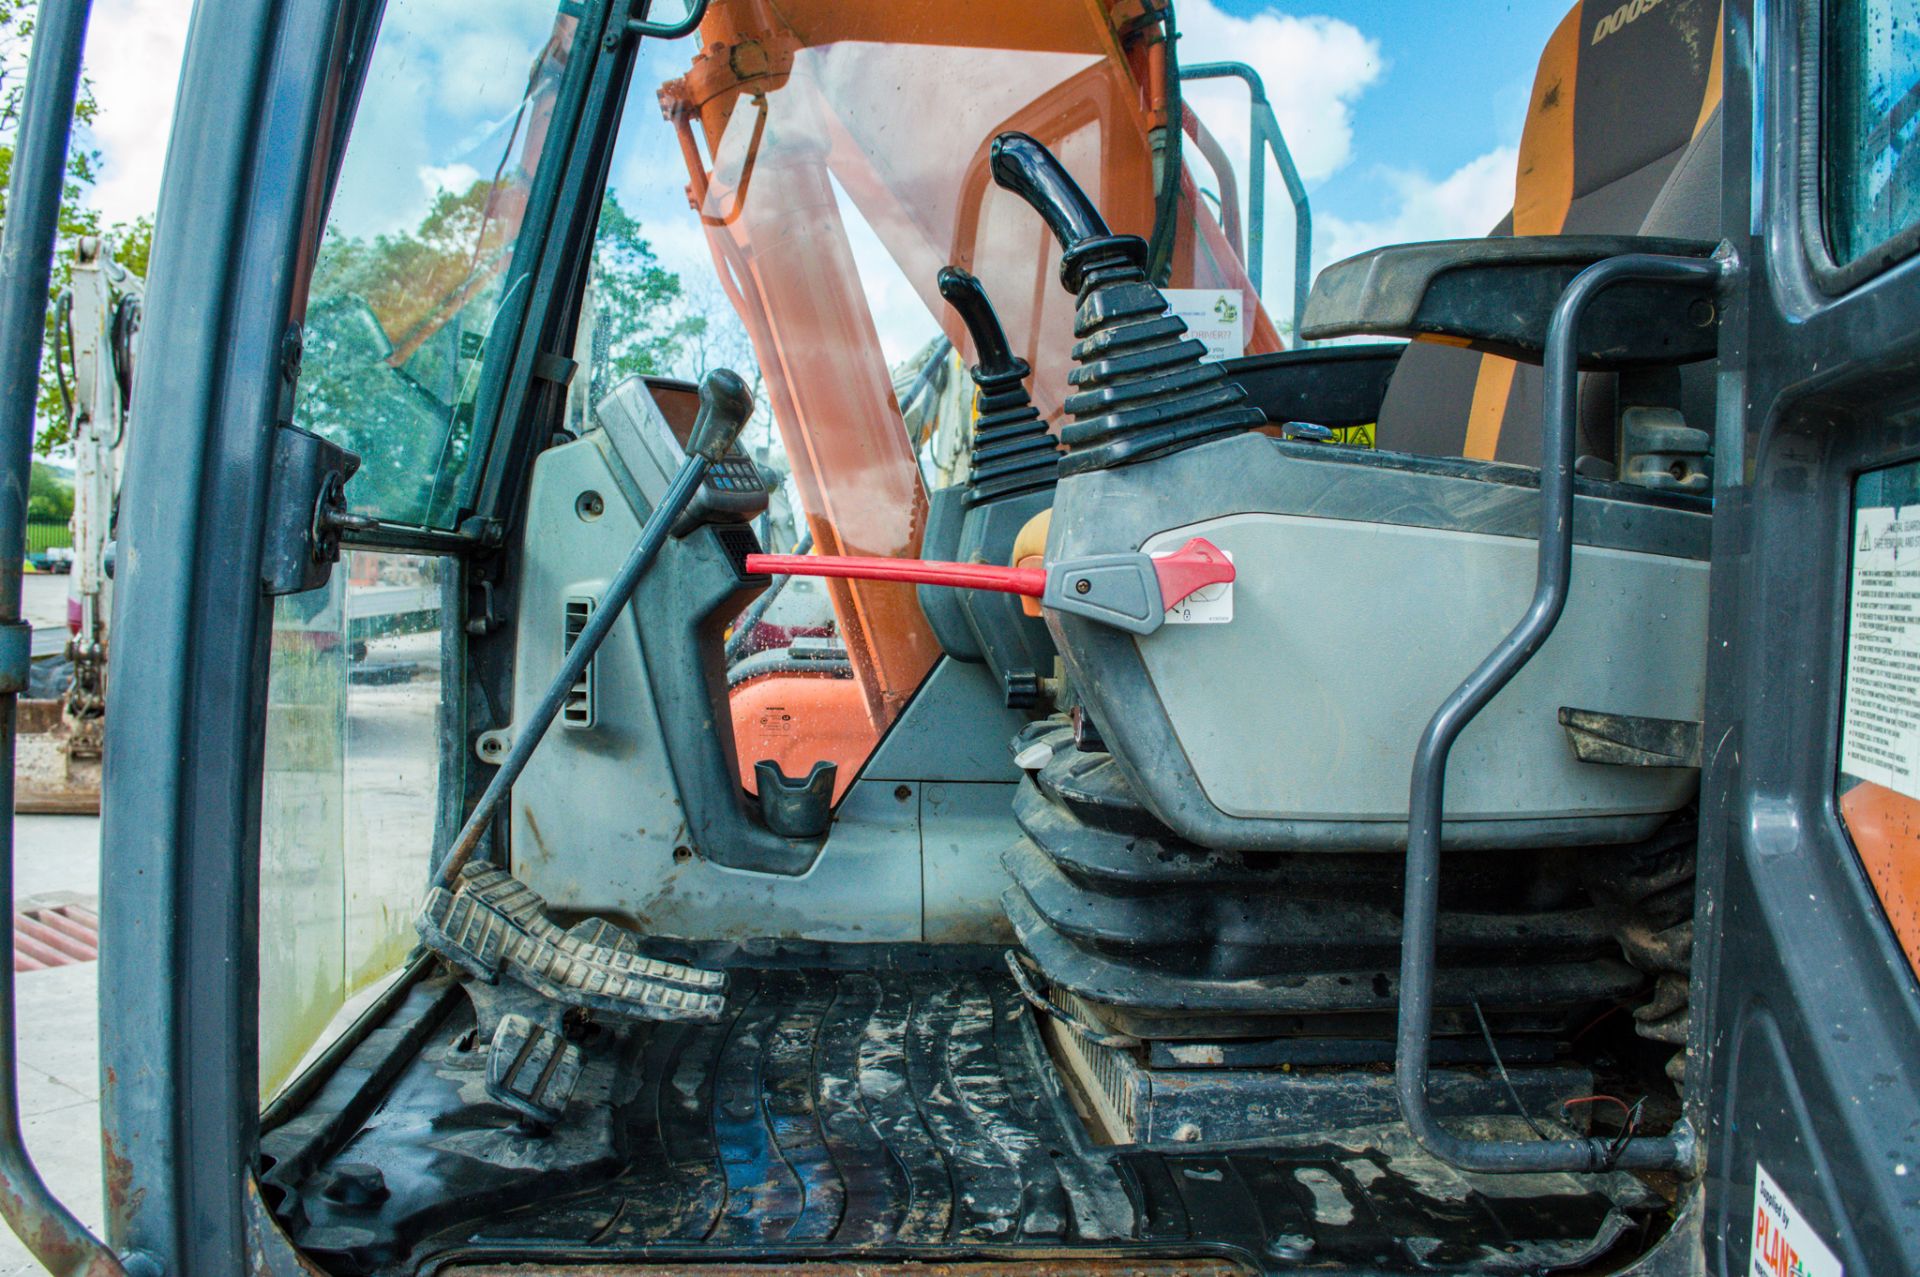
column 977, row 771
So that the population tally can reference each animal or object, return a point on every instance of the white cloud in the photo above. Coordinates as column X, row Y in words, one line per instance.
column 1466, row 202
column 133, row 57
column 482, row 73
column 1314, row 69
column 447, row 177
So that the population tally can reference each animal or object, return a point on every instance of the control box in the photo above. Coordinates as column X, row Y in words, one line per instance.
column 650, row 420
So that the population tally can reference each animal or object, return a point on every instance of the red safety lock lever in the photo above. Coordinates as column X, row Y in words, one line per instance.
column 1130, row 591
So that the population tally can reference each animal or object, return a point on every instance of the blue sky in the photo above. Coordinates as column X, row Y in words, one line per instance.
column 1453, row 87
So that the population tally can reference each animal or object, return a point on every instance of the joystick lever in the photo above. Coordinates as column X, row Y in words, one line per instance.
column 1143, row 389
column 1013, row 451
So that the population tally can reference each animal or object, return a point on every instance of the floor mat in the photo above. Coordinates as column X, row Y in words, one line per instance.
column 887, row 1115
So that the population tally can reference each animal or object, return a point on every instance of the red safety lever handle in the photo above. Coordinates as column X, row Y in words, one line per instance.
column 972, row 576
column 1197, row 563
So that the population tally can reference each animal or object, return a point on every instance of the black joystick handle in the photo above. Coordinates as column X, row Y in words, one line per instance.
column 1013, row 452
column 990, row 346
column 1029, row 170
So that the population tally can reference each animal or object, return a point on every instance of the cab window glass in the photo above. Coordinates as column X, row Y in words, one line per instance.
column 1872, row 115
column 419, row 255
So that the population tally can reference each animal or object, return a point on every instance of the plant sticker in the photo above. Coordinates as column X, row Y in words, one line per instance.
column 1215, row 316
column 1784, row 1244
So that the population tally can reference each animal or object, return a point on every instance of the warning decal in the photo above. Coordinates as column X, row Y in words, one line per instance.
column 1880, row 733
column 1783, row 1243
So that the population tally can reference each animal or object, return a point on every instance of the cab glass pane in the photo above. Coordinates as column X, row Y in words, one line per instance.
column 420, row 253
column 1872, row 90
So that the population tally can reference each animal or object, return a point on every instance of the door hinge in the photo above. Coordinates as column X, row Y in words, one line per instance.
column 306, row 492
column 306, row 508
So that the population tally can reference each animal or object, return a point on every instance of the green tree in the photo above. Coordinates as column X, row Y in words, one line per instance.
column 131, row 240
column 640, row 326
column 49, row 495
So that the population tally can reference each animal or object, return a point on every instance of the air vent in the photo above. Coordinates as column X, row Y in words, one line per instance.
column 576, row 711
column 737, row 542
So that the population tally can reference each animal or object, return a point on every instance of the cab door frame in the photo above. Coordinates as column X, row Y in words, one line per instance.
column 1806, row 1009
column 266, row 90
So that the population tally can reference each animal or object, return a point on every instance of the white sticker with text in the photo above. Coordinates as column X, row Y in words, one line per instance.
column 1880, row 727
column 1216, row 316
column 1784, row 1244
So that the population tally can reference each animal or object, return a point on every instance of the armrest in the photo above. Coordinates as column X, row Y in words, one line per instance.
column 1329, row 386
column 1497, row 294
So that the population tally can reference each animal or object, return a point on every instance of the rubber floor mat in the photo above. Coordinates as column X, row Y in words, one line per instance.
column 915, row 1115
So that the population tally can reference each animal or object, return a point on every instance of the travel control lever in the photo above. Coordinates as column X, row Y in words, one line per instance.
column 725, row 405
column 489, row 924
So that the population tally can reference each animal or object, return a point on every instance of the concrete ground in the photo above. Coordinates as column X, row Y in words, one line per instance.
column 57, row 1009
column 59, row 1030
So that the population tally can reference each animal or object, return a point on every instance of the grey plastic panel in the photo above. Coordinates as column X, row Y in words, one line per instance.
column 964, row 831
column 1359, row 630
column 596, row 818
column 956, row 728
column 1117, row 510
column 591, row 803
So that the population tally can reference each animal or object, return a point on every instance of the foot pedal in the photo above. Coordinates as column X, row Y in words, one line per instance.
column 531, row 1069
column 492, row 924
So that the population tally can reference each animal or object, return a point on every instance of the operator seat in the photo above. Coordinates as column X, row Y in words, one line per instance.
column 1622, row 137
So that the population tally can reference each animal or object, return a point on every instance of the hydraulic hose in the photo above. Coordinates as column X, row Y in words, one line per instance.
column 1166, row 202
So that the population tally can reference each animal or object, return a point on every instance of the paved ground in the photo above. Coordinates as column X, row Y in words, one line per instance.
column 58, row 1030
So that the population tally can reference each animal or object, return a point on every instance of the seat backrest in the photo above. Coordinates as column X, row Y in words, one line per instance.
column 1622, row 137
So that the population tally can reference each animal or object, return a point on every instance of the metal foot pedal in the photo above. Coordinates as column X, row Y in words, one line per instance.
column 531, row 1069
column 492, row 924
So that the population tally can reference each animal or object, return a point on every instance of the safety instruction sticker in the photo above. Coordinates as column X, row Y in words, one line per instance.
column 1208, row 605
column 1880, row 733
column 1217, row 316
column 1784, row 1245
